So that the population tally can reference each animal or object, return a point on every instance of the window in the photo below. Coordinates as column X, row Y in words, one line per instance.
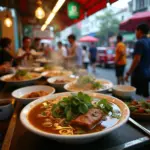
column 110, row 51
column 131, row 6
column 140, row 4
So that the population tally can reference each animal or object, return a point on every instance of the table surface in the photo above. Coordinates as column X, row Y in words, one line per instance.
column 126, row 137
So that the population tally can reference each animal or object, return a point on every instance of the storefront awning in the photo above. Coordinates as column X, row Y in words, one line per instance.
column 138, row 18
column 26, row 9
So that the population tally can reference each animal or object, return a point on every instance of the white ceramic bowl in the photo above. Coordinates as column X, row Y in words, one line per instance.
column 75, row 138
column 124, row 91
column 20, row 83
column 59, row 73
column 58, row 86
column 55, row 68
column 19, row 93
column 6, row 109
column 107, row 85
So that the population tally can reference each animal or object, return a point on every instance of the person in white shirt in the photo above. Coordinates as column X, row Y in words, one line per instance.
column 37, row 45
column 60, row 54
column 86, row 59
column 25, row 53
column 75, row 53
column 61, row 49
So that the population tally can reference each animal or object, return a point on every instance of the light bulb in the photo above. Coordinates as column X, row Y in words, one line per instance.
column 39, row 13
column 108, row 4
column 8, row 22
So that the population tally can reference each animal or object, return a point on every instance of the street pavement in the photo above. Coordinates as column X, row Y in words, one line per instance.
column 108, row 73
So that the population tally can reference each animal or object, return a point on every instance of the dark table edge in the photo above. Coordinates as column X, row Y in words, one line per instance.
column 132, row 144
column 11, row 128
column 10, row 131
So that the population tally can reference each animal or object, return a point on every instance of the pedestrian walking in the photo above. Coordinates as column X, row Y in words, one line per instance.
column 140, row 67
column 85, row 54
column 93, row 56
column 120, row 59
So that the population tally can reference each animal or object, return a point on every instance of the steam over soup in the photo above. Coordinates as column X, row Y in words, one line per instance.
column 58, row 73
column 64, row 81
column 87, row 83
column 75, row 114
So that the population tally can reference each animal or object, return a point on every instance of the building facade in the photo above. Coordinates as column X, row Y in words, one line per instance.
column 139, row 5
column 90, row 25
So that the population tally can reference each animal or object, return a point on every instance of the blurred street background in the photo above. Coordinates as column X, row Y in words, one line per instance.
column 109, row 72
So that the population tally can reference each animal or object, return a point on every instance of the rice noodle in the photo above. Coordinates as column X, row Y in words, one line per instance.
column 66, row 132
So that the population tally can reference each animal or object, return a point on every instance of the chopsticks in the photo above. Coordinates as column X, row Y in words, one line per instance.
column 11, row 128
column 139, row 126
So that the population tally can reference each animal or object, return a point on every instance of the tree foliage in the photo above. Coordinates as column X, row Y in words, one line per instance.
column 109, row 25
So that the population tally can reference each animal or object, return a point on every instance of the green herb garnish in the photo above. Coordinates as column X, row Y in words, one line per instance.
column 72, row 106
column 77, row 104
column 43, row 113
column 21, row 73
column 105, row 106
column 46, row 67
column 97, row 85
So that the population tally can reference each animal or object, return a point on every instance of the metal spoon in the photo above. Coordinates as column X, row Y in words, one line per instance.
column 139, row 126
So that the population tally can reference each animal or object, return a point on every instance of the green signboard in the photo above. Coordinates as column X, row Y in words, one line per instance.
column 27, row 30
column 73, row 10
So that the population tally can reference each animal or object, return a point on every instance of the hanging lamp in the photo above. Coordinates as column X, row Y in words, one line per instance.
column 39, row 12
column 8, row 20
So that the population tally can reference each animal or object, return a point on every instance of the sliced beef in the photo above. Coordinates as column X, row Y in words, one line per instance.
column 88, row 120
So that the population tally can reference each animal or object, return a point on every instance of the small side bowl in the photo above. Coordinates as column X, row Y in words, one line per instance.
column 60, row 73
column 106, row 83
column 54, row 68
column 6, row 109
column 60, row 86
column 22, row 82
column 19, row 93
column 124, row 91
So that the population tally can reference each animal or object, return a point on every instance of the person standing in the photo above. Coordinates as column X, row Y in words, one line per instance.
column 61, row 49
column 25, row 53
column 5, row 52
column 75, row 52
column 86, row 60
column 6, row 58
column 36, row 45
column 140, row 67
column 93, row 56
column 61, row 53
column 120, row 60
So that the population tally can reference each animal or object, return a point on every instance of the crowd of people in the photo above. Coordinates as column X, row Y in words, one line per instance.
column 79, row 56
column 140, row 67
column 69, row 56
